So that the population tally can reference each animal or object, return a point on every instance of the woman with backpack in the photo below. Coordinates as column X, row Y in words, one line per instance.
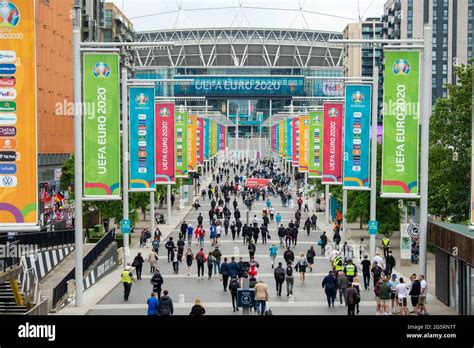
column 153, row 260
column 138, row 264
column 301, row 266
column 356, row 286
column 189, row 260
column 234, row 285
column 310, row 255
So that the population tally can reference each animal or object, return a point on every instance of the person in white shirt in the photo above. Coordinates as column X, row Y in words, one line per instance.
column 361, row 249
column 423, row 294
column 401, row 294
column 393, row 288
column 379, row 261
column 334, row 253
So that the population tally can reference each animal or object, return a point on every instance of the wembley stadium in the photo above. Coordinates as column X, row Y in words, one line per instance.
column 244, row 74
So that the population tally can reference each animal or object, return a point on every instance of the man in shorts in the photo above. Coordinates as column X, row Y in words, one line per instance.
column 385, row 295
column 423, row 294
column 415, row 292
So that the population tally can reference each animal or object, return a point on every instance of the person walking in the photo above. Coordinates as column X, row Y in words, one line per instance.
column 385, row 295
column 200, row 260
column 281, row 234
column 401, row 295
column 415, row 291
column 342, row 284
column 290, row 280
column 307, row 226
column 157, row 282
column 169, row 246
column 376, row 272
column 423, row 294
column 127, row 279
column 390, row 263
column 323, row 241
column 330, row 288
column 234, row 285
column 314, row 220
column 189, row 260
column 350, row 270
column 352, row 298
column 175, row 261
column 217, row 263
column 366, row 271
column 310, row 255
column 252, row 248
column 279, row 275
column 153, row 260
column 301, row 266
column 202, row 234
column 211, row 260
column 386, row 246
column 289, row 255
column 190, row 231
column 197, row 309
column 138, row 264
column 261, row 297
column 356, row 285
column 278, row 219
column 153, row 305
column 273, row 254
column 224, row 270
column 166, row 304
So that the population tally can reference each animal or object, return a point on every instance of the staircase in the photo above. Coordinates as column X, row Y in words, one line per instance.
column 8, row 304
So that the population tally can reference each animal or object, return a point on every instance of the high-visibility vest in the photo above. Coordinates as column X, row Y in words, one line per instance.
column 350, row 270
column 339, row 263
column 385, row 242
column 126, row 277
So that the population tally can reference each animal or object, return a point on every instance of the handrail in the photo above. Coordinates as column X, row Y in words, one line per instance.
column 7, row 262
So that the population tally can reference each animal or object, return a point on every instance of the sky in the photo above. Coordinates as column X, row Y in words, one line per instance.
column 148, row 15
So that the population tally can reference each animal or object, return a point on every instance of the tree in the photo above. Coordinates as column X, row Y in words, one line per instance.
column 450, row 150
column 67, row 175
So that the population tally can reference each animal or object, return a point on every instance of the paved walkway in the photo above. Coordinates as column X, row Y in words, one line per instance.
column 106, row 298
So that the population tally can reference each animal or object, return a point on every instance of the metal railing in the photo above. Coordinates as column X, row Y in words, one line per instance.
column 9, row 262
column 42, row 240
column 61, row 289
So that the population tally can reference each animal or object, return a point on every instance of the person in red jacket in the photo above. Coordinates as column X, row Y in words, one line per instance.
column 253, row 268
column 200, row 260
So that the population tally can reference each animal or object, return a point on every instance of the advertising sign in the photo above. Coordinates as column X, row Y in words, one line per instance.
column 295, row 151
column 181, row 142
column 315, row 144
column 207, row 139
column 278, row 138
column 357, row 137
column 200, row 142
column 289, row 143
column 101, row 125
column 332, row 143
column 18, row 130
column 164, row 149
column 142, row 139
column 282, row 138
column 304, row 144
column 400, row 124
column 192, row 148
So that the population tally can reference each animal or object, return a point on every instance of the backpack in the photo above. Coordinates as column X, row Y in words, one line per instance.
column 199, row 258
column 356, row 297
column 289, row 271
column 234, row 285
column 377, row 271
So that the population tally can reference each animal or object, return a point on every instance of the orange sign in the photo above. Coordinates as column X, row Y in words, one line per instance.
column 304, row 144
column 18, row 147
column 192, row 140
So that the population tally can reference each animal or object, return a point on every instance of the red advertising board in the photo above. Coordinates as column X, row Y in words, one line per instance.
column 165, row 167
column 332, row 143
column 256, row 183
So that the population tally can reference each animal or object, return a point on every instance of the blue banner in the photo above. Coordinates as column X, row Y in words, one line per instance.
column 207, row 139
column 357, row 137
column 142, row 139
column 289, row 142
column 240, row 86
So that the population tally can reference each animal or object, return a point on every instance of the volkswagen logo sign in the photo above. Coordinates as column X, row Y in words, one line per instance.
column 7, row 181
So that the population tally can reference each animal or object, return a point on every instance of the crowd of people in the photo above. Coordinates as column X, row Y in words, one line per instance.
column 225, row 194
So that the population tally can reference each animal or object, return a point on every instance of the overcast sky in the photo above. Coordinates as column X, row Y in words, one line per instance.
column 150, row 15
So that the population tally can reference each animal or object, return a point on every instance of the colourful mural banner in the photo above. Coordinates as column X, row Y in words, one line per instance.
column 400, row 124
column 142, row 138
column 289, row 143
column 207, row 139
column 278, row 139
column 358, row 113
column 315, row 162
column 18, row 127
column 221, row 138
column 332, row 143
column 192, row 142
column 304, row 144
column 101, row 125
column 181, row 141
column 165, row 144
column 283, row 138
column 295, row 152
column 200, row 142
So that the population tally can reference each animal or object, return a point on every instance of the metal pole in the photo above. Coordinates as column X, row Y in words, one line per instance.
column 78, row 236
column 125, row 159
column 425, row 134
column 152, row 212
column 373, row 167
column 326, row 199
column 344, row 212
column 168, row 203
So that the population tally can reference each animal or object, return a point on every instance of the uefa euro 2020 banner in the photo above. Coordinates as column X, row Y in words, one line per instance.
column 181, row 141
column 165, row 144
column 289, row 135
column 315, row 144
column 18, row 144
column 400, row 124
column 200, row 142
column 295, row 151
column 101, row 126
column 282, row 138
column 332, row 143
column 357, row 137
column 304, row 144
column 192, row 148
column 142, row 139
column 207, row 139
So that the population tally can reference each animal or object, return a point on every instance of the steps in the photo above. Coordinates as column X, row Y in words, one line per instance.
column 8, row 305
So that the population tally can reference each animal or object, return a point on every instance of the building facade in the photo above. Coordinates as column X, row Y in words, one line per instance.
column 249, row 74
column 452, row 24
column 92, row 20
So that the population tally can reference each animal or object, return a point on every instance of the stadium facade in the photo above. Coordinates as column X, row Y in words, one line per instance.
column 254, row 73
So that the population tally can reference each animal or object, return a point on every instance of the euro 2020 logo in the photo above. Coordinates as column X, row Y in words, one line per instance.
column 358, row 97
column 401, row 67
column 165, row 112
column 332, row 112
column 9, row 14
column 101, row 70
column 141, row 99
